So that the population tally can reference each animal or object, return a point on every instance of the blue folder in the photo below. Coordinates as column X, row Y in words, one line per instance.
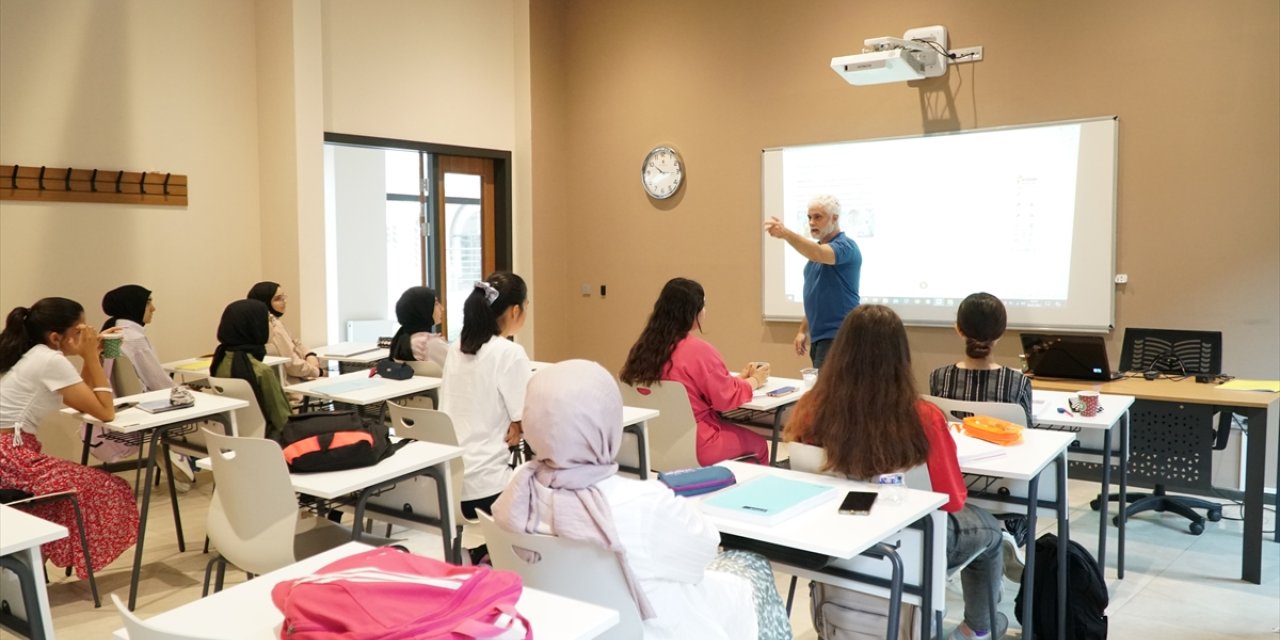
column 767, row 499
column 346, row 386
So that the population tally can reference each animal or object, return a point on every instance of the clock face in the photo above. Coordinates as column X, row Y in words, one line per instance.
column 662, row 173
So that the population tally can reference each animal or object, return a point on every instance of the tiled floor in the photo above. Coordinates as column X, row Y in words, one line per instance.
column 1177, row 586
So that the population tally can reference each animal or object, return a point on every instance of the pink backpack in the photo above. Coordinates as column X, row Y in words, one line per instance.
column 387, row 594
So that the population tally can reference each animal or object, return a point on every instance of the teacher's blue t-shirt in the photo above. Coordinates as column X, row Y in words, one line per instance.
column 831, row 290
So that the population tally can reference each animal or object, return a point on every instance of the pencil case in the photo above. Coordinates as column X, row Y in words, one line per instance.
column 993, row 430
column 697, row 481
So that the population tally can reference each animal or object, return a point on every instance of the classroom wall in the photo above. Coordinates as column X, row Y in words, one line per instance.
column 138, row 85
column 1198, row 231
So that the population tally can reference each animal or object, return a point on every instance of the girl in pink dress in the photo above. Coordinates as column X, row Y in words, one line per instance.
column 668, row 350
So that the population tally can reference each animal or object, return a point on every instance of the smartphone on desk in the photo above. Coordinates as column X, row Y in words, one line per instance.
column 858, row 503
column 780, row 391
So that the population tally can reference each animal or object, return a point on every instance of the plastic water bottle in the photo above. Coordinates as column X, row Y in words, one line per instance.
column 891, row 486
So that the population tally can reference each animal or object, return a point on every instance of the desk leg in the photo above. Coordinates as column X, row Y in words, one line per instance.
column 1254, row 478
column 1105, row 502
column 641, row 433
column 1064, row 536
column 173, row 494
column 777, row 431
column 1029, row 573
column 1124, row 493
column 926, row 564
column 445, row 497
column 142, row 517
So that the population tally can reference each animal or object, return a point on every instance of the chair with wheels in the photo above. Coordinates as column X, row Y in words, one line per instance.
column 673, row 435
column 18, row 499
column 253, row 516
column 570, row 568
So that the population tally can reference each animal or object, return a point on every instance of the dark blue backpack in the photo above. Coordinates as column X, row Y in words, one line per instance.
column 1087, row 596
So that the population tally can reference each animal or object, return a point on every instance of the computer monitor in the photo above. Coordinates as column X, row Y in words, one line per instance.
column 1172, row 351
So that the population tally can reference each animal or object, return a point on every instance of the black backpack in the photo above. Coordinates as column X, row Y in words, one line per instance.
column 1087, row 596
column 333, row 441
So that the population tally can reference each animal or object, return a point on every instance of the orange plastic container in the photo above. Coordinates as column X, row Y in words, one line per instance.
column 995, row 430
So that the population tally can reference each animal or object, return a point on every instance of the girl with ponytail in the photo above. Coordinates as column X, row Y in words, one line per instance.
column 483, row 390
column 980, row 321
column 37, row 379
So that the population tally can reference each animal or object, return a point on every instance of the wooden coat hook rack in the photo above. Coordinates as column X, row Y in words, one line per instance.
column 53, row 184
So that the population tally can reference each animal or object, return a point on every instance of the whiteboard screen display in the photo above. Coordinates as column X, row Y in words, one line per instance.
column 1024, row 213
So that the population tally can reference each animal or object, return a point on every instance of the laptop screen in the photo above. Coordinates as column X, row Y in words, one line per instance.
column 1067, row 356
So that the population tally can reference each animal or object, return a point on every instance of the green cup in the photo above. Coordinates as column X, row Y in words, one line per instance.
column 111, row 346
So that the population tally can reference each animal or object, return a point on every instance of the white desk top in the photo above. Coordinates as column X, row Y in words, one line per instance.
column 415, row 456
column 762, row 402
column 20, row 531
column 822, row 529
column 381, row 390
column 245, row 611
column 636, row 415
column 367, row 357
column 1045, row 404
column 187, row 366
column 134, row 419
column 1025, row 460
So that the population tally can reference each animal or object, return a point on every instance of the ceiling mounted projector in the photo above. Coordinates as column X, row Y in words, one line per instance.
column 915, row 56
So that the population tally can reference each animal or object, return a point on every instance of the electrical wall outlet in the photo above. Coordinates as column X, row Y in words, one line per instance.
column 586, row 289
column 1122, row 278
column 965, row 54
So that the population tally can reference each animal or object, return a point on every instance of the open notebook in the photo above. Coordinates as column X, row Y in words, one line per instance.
column 969, row 449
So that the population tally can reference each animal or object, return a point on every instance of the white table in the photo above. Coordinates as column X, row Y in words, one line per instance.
column 635, row 421
column 246, row 612
column 352, row 356
column 762, row 402
column 373, row 389
column 189, row 369
column 823, row 531
column 1048, row 406
column 21, row 535
column 1027, row 461
column 155, row 427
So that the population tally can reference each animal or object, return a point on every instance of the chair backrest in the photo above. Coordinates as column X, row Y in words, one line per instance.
column 425, row 368
column 136, row 629
column 253, row 514
column 810, row 459
column 428, row 425
column 250, row 422
column 673, row 435
column 956, row 410
column 569, row 568
column 124, row 378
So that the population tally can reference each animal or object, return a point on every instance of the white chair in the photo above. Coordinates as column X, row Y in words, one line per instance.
column 124, row 377
column 253, row 516
column 418, row 494
column 429, row 399
column 136, row 629
column 673, row 435
column 570, row 568
column 957, row 410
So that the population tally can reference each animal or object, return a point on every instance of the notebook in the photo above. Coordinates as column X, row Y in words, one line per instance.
column 767, row 500
column 1063, row 356
column 970, row 449
column 198, row 365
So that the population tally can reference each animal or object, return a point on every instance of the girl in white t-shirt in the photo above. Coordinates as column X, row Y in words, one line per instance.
column 36, row 379
column 483, row 390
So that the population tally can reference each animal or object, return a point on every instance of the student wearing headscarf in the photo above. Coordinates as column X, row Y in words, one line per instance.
column 242, row 338
column 666, row 548
column 418, row 311
column 302, row 365
column 130, row 307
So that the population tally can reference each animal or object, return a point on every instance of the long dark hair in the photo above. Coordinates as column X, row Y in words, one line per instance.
column 981, row 319
column 674, row 315
column 480, row 314
column 415, row 311
column 862, row 411
column 263, row 292
column 25, row 328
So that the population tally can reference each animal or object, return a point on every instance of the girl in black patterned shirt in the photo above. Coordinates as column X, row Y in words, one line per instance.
column 981, row 321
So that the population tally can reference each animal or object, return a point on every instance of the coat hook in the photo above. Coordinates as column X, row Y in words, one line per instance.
column 93, row 181
column 13, row 179
column 41, row 178
column 166, row 183
column 119, row 176
column 142, row 184
column 66, row 181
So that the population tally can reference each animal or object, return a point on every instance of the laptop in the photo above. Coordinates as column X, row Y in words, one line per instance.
column 1052, row 355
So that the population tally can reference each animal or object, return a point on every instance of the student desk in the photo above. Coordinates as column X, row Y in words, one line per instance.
column 777, row 405
column 1261, row 408
column 344, row 354
column 189, row 369
column 635, row 421
column 1114, row 410
column 246, row 612
column 1027, row 462
column 21, row 535
column 358, row 388
column 823, row 531
column 154, row 427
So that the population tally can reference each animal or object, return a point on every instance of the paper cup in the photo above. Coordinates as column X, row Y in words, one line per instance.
column 111, row 346
column 810, row 377
column 1089, row 403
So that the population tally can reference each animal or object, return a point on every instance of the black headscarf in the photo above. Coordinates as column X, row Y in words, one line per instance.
column 263, row 292
column 242, row 332
column 125, row 303
column 415, row 311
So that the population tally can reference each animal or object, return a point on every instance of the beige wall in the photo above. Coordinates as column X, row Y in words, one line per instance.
column 138, row 85
column 1199, row 205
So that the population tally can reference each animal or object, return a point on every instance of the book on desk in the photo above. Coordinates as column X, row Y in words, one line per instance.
column 768, row 499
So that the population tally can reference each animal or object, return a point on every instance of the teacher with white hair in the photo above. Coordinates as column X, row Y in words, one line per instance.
column 830, row 278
